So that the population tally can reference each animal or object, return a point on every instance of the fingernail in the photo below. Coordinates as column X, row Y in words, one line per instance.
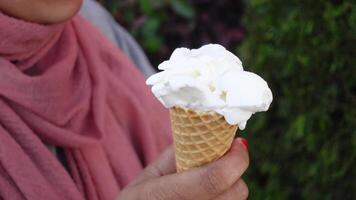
column 244, row 142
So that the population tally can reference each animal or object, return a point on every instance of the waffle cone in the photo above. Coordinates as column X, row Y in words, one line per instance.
column 199, row 137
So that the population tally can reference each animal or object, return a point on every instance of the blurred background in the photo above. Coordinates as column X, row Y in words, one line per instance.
column 304, row 147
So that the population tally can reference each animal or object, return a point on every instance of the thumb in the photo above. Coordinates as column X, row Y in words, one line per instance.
column 164, row 165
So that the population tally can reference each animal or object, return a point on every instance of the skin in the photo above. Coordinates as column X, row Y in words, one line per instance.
column 220, row 180
column 41, row 11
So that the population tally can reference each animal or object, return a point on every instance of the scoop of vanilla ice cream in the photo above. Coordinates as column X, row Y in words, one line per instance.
column 210, row 79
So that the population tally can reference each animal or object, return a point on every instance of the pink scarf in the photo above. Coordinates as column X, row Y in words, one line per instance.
column 66, row 85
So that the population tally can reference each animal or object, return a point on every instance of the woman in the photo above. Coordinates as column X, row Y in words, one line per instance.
column 77, row 121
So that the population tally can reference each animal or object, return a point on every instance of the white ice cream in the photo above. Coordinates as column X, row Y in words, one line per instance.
column 211, row 79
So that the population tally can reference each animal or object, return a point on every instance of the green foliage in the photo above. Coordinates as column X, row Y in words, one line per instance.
column 183, row 8
column 304, row 147
column 162, row 25
column 145, row 19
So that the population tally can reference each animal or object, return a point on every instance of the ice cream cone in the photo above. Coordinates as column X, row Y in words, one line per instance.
column 199, row 137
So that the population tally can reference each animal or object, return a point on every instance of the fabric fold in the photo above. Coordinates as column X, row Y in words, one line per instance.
column 67, row 86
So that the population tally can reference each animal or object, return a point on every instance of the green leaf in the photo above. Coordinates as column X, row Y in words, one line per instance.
column 150, row 27
column 145, row 6
column 183, row 8
column 151, row 40
column 152, row 44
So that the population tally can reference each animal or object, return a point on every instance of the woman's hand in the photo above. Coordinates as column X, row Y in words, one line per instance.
column 220, row 180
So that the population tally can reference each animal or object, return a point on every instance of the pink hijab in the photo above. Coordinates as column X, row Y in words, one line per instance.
column 66, row 85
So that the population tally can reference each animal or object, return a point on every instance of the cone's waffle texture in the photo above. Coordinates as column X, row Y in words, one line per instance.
column 199, row 137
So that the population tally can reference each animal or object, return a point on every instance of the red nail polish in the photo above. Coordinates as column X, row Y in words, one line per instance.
column 244, row 142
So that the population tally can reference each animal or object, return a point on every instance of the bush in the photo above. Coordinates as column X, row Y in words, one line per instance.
column 304, row 147
column 162, row 25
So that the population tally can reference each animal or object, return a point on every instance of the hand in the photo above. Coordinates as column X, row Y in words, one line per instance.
column 220, row 180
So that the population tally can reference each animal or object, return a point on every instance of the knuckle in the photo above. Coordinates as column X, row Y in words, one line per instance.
column 242, row 161
column 125, row 194
column 150, row 171
column 214, row 180
column 245, row 162
column 158, row 194
column 235, row 165
column 158, row 191
column 152, row 193
column 243, row 190
column 245, row 193
column 177, row 192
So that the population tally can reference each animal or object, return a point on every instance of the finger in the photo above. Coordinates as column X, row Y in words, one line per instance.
column 201, row 183
column 164, row 165
column 238, row 191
